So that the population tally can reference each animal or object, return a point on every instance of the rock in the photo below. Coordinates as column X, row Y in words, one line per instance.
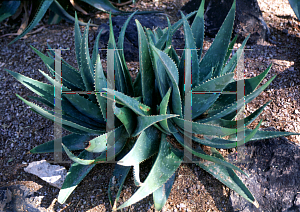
column 273, row 167
column 150, row 21
column 17, row 198
column 248, row 18
column 5, row 197
column 52, row 174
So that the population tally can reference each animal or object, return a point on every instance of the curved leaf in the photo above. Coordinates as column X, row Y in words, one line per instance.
column 164, row 167
column 200, row 153
column 100, row 83
column 198, row 28
column 8, row 8
column 143, row 122
column 72, row 142
column 74, row 176
column 48, row 115
column 146, row 145
column 214, row 57
column 127, row 117
column 202, row 101
column 161, row 195
column 99, row 144
column 147, row 73
column 44, row 5
column 224, row 143
column 172, row 72
column 228, row 177
column 59, row 10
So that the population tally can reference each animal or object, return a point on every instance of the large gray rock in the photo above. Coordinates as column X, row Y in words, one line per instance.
column 52, row 174
column 248, row 18
column 273, row 167
column 150, row 21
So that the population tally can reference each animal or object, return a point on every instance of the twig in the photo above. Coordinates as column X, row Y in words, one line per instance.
column 30, row 33
column 122, row 4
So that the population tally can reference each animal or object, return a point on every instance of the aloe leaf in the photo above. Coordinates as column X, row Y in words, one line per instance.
column 250, row 94
column 74, row 176
column 96, row 50
column 173, row 55
column 52, row 55
column 77, row 106
column 99, row 144
column 231, row 65
column 214, row 57
column 191, row 45
column 162, row 40
column 161, row 195
column 163, row 110
column 233, row 107
column 161, row 77
column 8, row 8
column 82, row 104
column 158, row 32
column 147, row 74
column 72, row 142
column 295, row 4
column 150, row 36
column 103, row 5
column 130, row 102
column 118, row 146
column 78, row 38
column 200, row 153
column 119, row 176
column 198, row 28
column 146, row 145
column 44, row 101
column 120, row 82
column 178, row 24
column 232, row 124
column 44, row 5
column 143, row 122
column 224, row 143
column 120, row 45
column 47, row 92
column 53, row 18
column 202, row 101
column 70, row 76
column 261, row 134
column 136, row 175
column 100, row 83
column 172, row 72
column 229, row 49
column 228, row 177
column 86, row 65
column 127, row 117
column 48, row 115
column 137, row 85
column 42, row 89
column 206, row 129
column 164, row 167
column 58, row 9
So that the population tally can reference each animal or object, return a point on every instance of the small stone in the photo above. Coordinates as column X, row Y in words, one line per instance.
column 285, row 31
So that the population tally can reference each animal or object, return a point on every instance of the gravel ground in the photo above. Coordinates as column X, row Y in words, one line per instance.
column 194, row 189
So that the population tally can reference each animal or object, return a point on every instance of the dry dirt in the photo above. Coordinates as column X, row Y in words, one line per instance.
column 194, row 189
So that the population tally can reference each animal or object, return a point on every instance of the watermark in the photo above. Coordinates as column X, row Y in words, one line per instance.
column 189, row 53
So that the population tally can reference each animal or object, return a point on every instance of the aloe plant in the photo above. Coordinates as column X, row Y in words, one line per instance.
column 9, row 8
column 152, row 109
